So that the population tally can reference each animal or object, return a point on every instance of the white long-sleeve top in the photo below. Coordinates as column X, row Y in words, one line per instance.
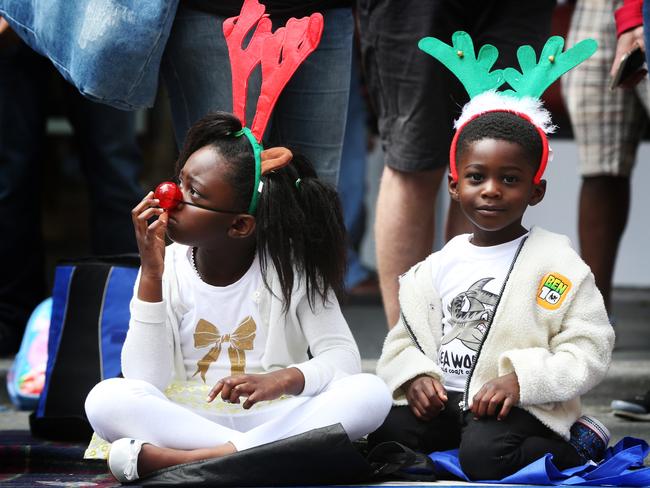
column 559, row 345
column 152, row 349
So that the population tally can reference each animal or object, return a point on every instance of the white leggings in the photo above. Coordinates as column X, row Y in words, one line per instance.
column 121, row 407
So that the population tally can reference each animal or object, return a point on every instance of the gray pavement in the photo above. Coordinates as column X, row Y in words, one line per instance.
column 629, row 373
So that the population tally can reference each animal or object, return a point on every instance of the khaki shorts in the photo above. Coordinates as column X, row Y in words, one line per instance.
column 607, row 124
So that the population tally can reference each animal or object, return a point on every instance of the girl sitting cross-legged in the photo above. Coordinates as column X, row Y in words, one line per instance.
column 216, row 356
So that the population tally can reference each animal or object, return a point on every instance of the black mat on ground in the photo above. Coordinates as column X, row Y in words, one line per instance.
column 318, row 457
column 27, row 462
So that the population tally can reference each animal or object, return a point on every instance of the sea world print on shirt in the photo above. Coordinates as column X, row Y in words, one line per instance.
column 469, row 315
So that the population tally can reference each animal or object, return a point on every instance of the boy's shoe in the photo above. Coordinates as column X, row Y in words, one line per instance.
column 636, row 408
column 590, row 438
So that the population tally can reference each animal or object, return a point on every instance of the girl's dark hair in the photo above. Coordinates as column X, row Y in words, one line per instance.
column 505, row 126
column 299, row 220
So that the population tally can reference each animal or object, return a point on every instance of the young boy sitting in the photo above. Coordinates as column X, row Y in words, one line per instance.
column 503, row 329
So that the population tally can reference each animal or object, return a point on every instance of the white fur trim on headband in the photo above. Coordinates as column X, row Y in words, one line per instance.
column 492, row 100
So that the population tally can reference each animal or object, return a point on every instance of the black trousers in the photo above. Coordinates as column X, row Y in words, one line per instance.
column 489, row 449
column 110, row 161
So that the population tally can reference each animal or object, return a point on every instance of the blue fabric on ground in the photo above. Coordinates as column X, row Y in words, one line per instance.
column 622, row 466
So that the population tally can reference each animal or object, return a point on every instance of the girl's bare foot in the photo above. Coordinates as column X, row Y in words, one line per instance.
column 153, row 458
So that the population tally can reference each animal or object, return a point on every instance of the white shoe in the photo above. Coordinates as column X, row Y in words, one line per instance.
column 123, row 459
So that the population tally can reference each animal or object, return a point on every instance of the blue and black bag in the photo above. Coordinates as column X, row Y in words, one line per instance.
column 90, row 317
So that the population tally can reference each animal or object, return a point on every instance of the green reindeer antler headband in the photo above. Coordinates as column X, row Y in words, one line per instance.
column 527, row 86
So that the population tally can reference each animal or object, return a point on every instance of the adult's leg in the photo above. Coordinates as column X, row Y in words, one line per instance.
column 608, row 125
column 603, row 216
column 404, row 228
column 414, row 98
column 23, row 75
column 111, row 162
column 352, row 178
column 603, row 211
column 196, row 70
column 509, row 24
column 491, row 449
column 311, row 112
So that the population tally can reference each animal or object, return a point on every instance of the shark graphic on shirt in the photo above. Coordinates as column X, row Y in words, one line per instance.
column 470, row 313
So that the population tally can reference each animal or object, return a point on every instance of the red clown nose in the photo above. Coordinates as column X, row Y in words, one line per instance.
column 169, row 195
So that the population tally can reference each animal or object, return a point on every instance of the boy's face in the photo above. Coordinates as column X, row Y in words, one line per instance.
column 494, row 188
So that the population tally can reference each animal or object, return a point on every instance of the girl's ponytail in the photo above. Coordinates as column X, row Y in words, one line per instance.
column 325, row 237
column 300, row 227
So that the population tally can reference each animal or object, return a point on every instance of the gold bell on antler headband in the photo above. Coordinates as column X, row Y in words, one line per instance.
column 527, row 85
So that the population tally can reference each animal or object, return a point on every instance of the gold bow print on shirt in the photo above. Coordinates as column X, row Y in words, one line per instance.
column 241, row 340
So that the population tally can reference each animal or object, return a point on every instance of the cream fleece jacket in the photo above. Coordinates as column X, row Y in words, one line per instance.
column 152, row 350
column 550, row 327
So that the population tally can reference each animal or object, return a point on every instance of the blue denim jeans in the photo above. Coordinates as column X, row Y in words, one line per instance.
column 110, row 161
column 109, row 49
column 352, row 181
column 309, row 115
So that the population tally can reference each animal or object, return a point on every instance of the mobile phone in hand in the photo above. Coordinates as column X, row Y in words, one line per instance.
column 632, row 64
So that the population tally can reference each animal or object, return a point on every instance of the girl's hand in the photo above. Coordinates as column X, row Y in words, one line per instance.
column 151, row 246
column 496, row 397
column 150, row 237
column 258, row 387
column 426, row 396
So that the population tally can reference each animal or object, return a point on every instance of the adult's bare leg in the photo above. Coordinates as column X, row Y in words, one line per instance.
column 404, row 228
column 603, row 213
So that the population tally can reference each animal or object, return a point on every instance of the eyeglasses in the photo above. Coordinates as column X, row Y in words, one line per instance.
column 170, row 196
column 198, row 205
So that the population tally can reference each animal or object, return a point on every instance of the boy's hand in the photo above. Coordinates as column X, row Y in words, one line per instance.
column 496, row 397
column 258, row 387
column 426, row 396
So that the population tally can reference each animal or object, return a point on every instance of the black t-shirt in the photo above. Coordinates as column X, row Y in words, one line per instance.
column 277, row 8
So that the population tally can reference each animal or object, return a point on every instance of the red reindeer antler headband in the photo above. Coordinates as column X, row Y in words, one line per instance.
column 280, row 53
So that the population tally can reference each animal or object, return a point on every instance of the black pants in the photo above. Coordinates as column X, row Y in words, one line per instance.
column 109, row 159
column 489, row 449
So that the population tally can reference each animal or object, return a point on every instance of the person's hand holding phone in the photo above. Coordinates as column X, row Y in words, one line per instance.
column 628, row 67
